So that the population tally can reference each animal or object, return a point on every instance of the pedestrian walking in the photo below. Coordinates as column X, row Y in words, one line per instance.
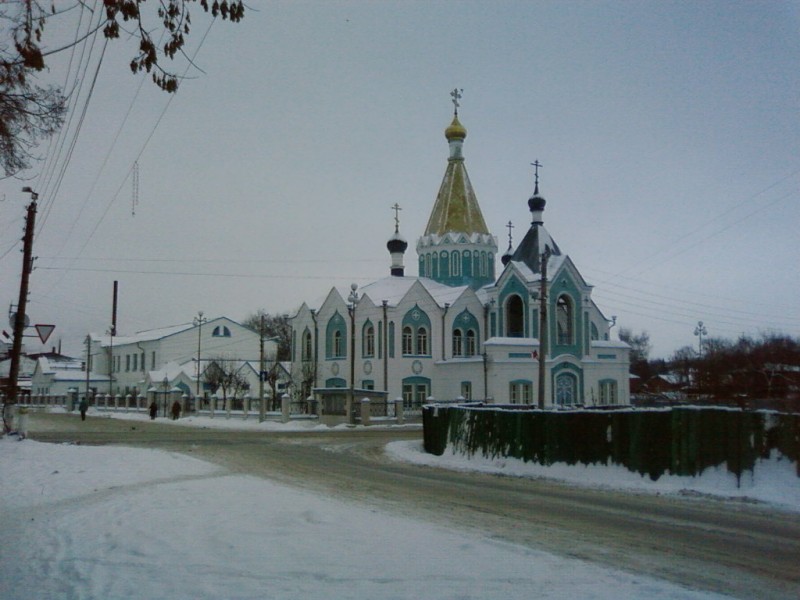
column 176, row 410
column 83, row 407
column 153, row 410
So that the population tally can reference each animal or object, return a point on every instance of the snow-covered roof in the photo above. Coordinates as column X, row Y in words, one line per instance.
column 511, row 341
column 394, row 289
column 609, row 344
column 142, row 336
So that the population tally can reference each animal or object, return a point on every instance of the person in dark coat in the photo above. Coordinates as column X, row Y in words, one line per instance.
column 176, row 410
column 153, row 410
column 83, row 407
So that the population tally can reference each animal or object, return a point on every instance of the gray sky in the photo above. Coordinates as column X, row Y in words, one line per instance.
column 668, row 131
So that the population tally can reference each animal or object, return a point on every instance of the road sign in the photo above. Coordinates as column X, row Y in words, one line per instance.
column 44, row 331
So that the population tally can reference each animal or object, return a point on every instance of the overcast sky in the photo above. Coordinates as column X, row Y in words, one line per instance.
column 669, row 135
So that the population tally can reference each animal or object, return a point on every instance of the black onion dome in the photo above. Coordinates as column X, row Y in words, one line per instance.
column 396, row 244
column 506, row 258
column 536, row 202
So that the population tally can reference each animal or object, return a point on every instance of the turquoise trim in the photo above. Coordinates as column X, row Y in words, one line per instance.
column 336, row 382
column 607, row 356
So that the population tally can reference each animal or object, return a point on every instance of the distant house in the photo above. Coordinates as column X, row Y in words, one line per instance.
column 178, row 354
column 63, row 376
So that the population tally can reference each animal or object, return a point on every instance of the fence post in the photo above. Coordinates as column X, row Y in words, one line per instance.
column 365, row 415
column 398, row 411
column 285, row 407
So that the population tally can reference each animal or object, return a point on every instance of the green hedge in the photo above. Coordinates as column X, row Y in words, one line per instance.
column 678, row 441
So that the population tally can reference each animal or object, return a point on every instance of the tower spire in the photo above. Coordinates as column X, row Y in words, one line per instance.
column 397, row 245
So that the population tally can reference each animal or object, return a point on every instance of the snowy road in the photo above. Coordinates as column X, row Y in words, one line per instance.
column 726, row 547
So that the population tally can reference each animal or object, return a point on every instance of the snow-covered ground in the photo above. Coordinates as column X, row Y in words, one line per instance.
column 121, row 523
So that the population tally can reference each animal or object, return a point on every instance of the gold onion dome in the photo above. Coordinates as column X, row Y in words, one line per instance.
column 455, row 131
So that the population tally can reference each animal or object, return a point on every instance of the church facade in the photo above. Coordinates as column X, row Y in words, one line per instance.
column 459, row 329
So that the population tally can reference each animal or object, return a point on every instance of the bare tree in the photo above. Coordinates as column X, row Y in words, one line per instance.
column 29, row 112
column 225, row 375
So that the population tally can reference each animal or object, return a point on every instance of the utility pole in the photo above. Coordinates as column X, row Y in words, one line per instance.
column 543, row 327
column 20, row 316
column 262, row 410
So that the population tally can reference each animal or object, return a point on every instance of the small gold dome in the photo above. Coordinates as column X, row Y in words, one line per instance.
column 455, row 131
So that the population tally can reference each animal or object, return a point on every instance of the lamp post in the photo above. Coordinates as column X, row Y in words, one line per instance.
column 165, row 383
column 700, row 331
column 353, row 300
column 198, row 322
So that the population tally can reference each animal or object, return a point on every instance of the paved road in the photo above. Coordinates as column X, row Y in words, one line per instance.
column 729, row 547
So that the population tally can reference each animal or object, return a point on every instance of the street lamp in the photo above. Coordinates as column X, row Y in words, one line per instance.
column 353, row 300
column 700, row 331
column 165, row 383
column 198, row 322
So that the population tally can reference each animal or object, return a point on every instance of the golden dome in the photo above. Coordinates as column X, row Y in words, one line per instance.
column 455, row 131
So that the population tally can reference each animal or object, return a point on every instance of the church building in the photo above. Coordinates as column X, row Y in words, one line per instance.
column 459, row 329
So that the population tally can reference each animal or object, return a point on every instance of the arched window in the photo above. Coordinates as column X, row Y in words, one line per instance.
column 471, row 349
column 483, row 264
column 335, row 337
column 422, row 341
column 457, row 342
column 455, row 263
column 428, row 264
column 515, row 317
column 434, row 266
column 564, row 319
column 566, row 389
column 308, row 347
column 408, row 340
column 368, row 340
column 221, row 331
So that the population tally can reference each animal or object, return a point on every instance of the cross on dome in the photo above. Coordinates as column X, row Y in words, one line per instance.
column 456, row 95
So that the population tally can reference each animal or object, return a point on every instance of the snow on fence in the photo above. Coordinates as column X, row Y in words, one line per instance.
column 678, row 441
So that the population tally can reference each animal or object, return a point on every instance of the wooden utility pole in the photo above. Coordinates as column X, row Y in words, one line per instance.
column 262, row 411
column 543, row 328
column 20, row 316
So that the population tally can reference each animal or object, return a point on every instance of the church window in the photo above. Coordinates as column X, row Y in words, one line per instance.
column 422, row 341
column 455, row 264
column 435, row 266
column 408, row 340
column 368, row 341
column 608, row 392
column 566, row 389
column 564, row 318
column 457, row 342
column 221, row 331
column 135, row 362
column 520, row 392
column 490, row 265
column 308, row 348
column 444, row 267
column 483, row 264
column 515, row 317
column 335, row 337
column 391, row 339
column 471, row 345
column 427, row 265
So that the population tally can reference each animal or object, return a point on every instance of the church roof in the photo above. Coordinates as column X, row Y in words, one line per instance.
column 393, row 289
column 456, row 208
column 535, row 243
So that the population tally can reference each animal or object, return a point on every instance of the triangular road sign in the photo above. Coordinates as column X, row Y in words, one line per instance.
column 44, row 332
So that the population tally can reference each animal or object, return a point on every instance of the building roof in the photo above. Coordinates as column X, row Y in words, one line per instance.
column 393, row 289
